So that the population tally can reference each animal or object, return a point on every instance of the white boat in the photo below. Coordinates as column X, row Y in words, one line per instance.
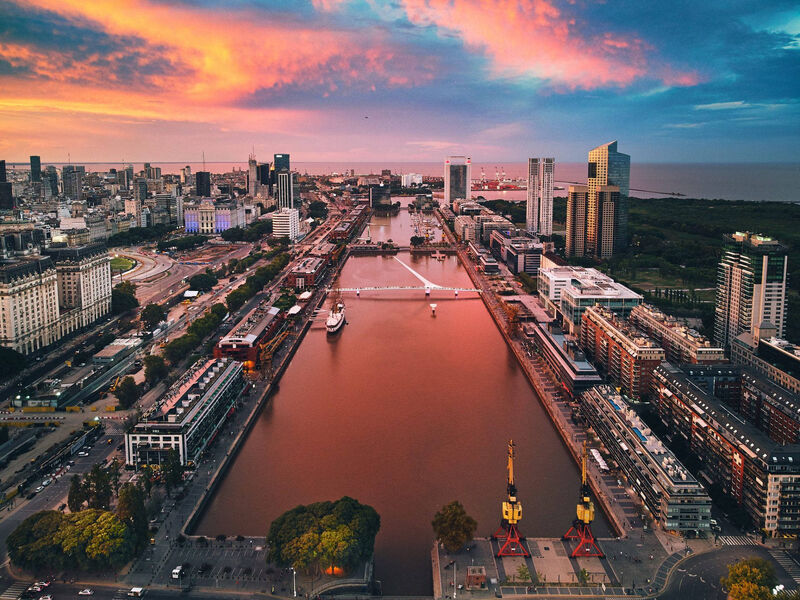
column 335, row 318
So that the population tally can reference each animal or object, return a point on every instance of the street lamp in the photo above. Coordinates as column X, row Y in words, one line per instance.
column 294, row 582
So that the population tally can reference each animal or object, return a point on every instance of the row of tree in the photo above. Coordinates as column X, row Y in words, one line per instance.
column 137, row 235
column 186, row 242
column 256, row 282
column 183, row 346
column 252, row 233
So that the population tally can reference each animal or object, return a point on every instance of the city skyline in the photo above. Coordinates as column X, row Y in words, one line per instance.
column 415, row 81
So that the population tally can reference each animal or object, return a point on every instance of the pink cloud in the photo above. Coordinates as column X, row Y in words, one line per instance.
column 535, row 38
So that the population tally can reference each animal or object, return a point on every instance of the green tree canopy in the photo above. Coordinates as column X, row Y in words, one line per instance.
column 323, row 535
column 123, row 298
column 753, row 570
column 453, row 526
column 76, row 495
column 202, row 282
column 173, row 470
column 127, row 392
column 13, row 362
column 154, row 368
column 152, row 315
column 131, row 510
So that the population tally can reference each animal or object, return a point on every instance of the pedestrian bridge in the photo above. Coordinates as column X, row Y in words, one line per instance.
column 427, row 285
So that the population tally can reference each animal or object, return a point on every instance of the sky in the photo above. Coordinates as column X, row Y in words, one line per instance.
column 401, row 80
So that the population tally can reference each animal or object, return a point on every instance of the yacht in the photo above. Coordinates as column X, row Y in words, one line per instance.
column 335, row 318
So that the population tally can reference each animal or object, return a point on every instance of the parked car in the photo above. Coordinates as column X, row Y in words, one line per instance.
column 86, row 592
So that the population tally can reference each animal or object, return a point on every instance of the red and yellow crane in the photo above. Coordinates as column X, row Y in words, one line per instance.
column 581, row 529
column 511, row 515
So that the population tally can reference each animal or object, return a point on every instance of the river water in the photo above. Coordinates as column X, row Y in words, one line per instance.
column 404, row 411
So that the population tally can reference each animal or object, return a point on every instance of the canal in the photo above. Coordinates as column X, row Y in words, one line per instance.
column 404, row 411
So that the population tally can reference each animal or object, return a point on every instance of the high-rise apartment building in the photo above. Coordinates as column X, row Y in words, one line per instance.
column 457, row 180
column 203, row 184
column 186, row 175
column 36, row 168
column 751, row 286
column 577, row 202
column 539, row 210
column 612, row 221
column 607, row 167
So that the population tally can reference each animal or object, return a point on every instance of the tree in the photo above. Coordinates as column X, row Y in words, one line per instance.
column 747, row 590
column 98, row 488
column 12, row 361
column 30, row 545
column 152, row 315
column 173, row 470
column 202, row 282
column 417, row 240
column 131, row 510
column 147, row 479
column 523, row 573
column 123, row 298
column 155, row 369
column 77, row 494
column 453, row 526
column 753, row 570
column 180, row 348
column 3, row 434
column 127, row 392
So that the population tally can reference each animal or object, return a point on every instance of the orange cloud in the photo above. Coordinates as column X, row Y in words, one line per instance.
column 534, row 38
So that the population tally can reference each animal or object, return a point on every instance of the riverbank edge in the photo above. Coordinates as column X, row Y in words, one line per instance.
column 617, row 525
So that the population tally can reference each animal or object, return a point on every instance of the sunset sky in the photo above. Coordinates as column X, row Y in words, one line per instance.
column 163, row 80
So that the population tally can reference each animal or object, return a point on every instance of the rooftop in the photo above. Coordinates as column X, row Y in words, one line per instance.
column 630, row 334
column 250, row 328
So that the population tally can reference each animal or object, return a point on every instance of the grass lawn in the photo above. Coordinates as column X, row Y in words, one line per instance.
column 120, row 263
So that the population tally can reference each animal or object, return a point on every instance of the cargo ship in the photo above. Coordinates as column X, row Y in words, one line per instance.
column 335, row 318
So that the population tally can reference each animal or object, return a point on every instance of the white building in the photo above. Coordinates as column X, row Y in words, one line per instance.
column 188, row 416
column 466, row 228
column 409, row 179
column 286, row 223
column 539, row 210
column 29, row 312
column 285, row 189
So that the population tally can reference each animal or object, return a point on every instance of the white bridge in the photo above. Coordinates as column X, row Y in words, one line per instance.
column 427, row 285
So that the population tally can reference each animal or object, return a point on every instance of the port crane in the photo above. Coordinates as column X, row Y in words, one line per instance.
column 581, row 529
column 511, row 515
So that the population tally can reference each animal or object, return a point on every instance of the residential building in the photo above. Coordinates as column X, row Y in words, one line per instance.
column 539, row 209
column 625, row 354
column 675, row 498
column 751, row 286
column 759, row 474
column 607, row 231
column 568, row 291
column 520, row 254
column 457, row 178
column 577, row 204
column 466, row 229
column 681, row 344
column 773, row 357
column 188, row 416
column 408, row 180
column 286, row 223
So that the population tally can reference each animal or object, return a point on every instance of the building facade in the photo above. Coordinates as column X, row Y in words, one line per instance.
column 457, row 178
column 751, row 286
column 607, row 167
column 29, row 314
column 539, row 210
column 626, row 355
column 675, row 498
column 577, row 204
column 681, row 344
column 286, row 223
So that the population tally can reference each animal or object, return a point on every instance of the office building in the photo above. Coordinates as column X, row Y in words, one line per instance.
column 72, row 180
column 262, row 174
column 758, row 473
column 457, row 178
column 674, row 497
column 568, row 291
column 380, row 197
column 607, row 232
column 307, row 273
column 286, row 223
column 681, row 344
column 140, row 189
column 203, row 184
column 520, row 254
column 577, row 203
column 245, row 340
column 466, row 229
column 751, row 286
column 252, row 176
column 189, row 416
column 281, row 163
column 29, row 313
column 3, row 173
column 623, row 353
column 539, row 209
column 284, row 194
column 36, row 169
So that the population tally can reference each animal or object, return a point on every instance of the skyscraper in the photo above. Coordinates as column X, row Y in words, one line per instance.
column 539, row 210
column 577, row 201
column 203, row 184
column 284, row 194
column 36, row 168
column 3, row 175
column 457, row 180
column 281, row 163
column 611, row 209
column 140, row 189
column 263, row 173
column 751, row 286
column 607, row 167
column 252, row 176
column 72, row 180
